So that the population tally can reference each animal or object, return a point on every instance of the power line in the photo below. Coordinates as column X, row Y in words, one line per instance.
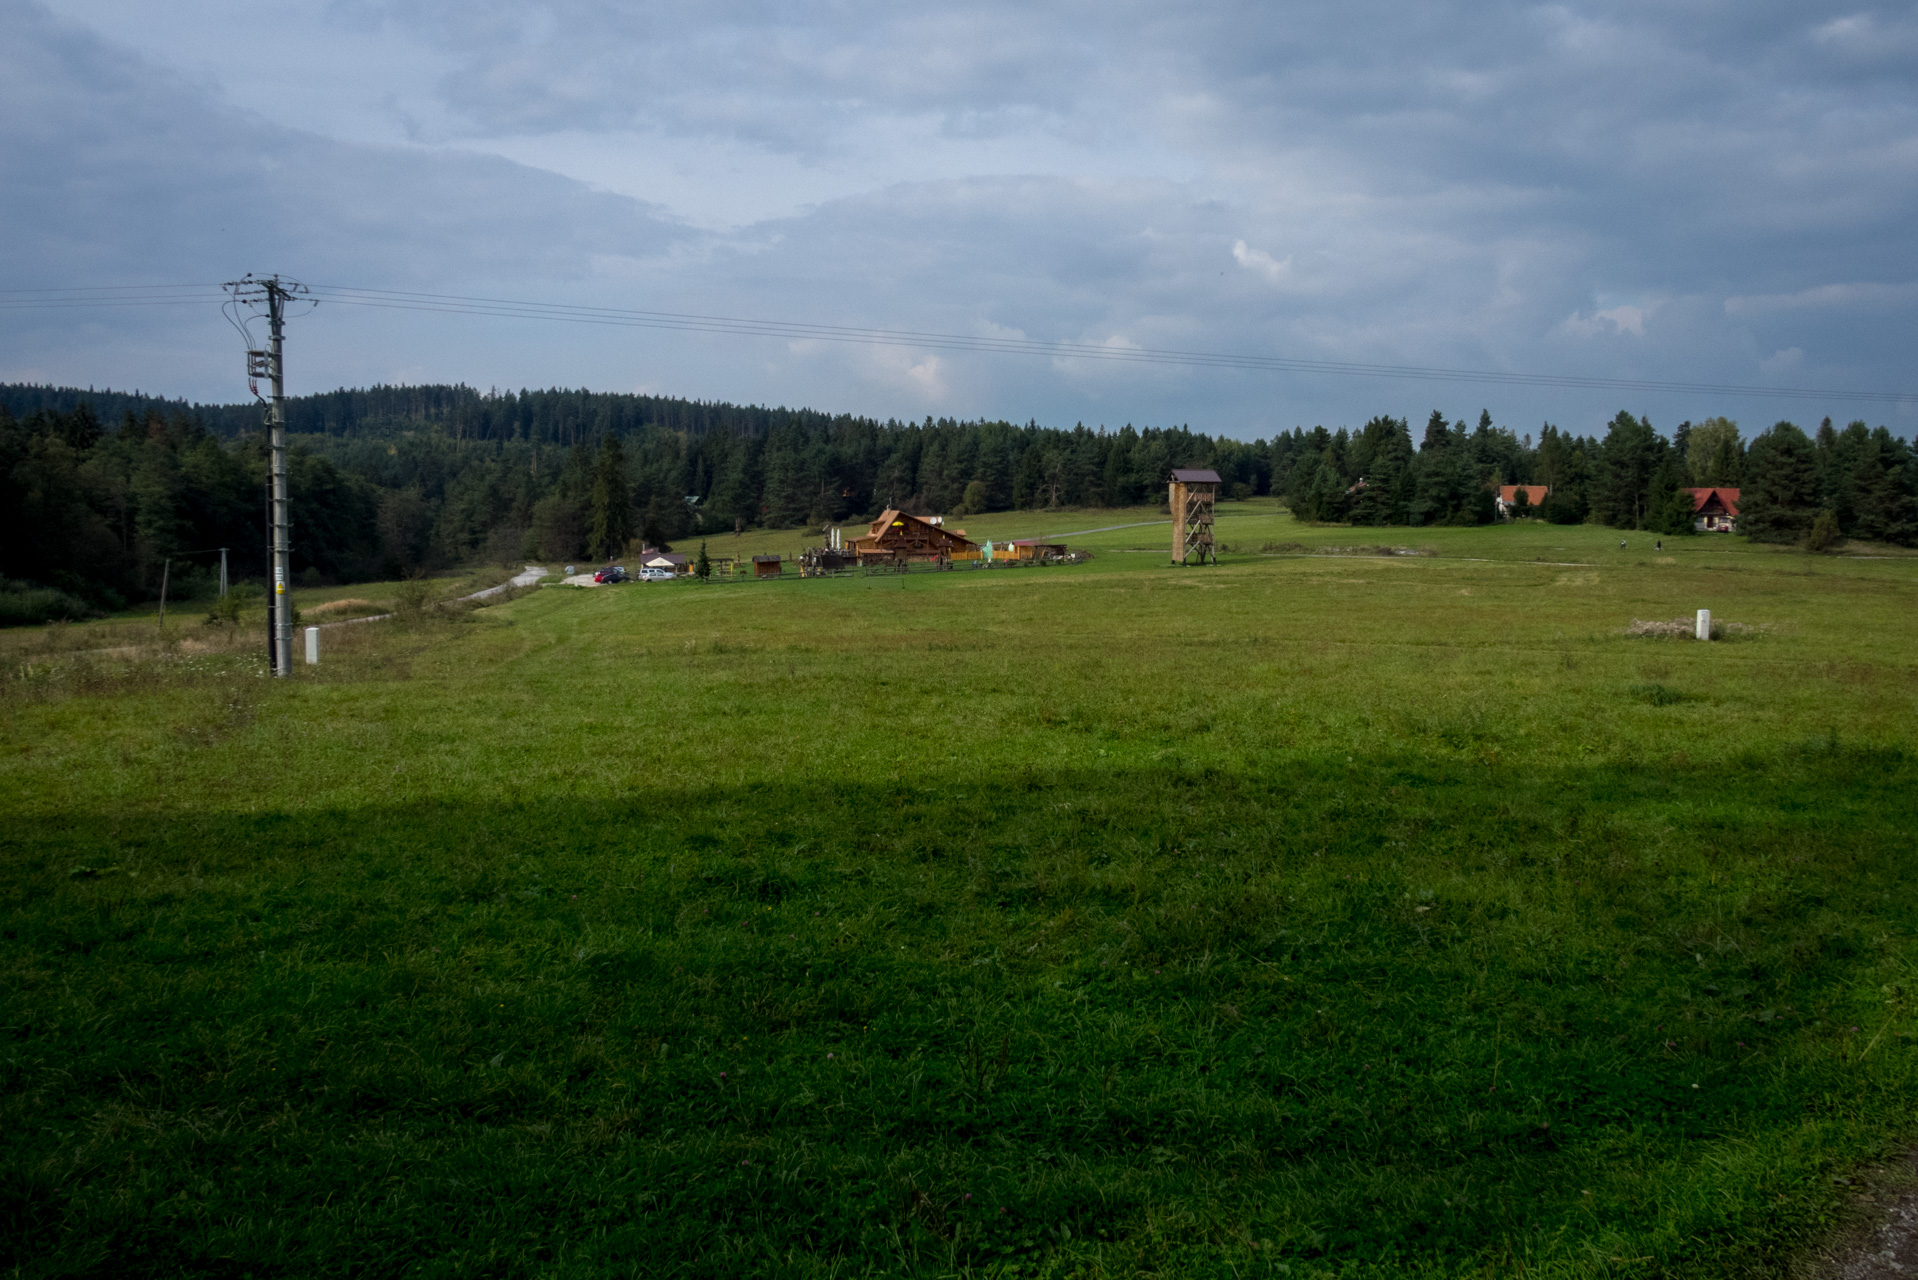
column 745, row 326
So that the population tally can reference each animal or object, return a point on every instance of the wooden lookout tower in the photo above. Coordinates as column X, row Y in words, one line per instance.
column 1193, row 492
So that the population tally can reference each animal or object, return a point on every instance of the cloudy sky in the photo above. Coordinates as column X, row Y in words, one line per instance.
column 1691, row 191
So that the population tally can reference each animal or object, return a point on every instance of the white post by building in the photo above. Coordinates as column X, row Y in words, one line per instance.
column 1704, row 624
column 312, row 646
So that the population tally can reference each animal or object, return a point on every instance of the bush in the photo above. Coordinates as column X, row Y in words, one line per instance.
column 226, row 610
column 1824, row 534
column 413, row 598
column 24, row 605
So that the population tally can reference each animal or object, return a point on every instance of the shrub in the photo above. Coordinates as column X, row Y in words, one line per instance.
column 25, row 605
column 225, row 610
column 1824, row 534
column 413, row 599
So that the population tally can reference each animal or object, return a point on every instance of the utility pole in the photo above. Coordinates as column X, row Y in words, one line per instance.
column 276, row 422
column 271, row 295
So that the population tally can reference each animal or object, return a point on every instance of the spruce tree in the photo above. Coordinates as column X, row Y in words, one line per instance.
column 612, row 501
column 1626, row 462
column 1780, row 496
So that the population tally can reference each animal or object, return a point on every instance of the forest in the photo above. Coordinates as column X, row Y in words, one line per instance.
column 104, row 494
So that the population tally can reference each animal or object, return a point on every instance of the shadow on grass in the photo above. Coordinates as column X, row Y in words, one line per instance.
column 1391, row 1013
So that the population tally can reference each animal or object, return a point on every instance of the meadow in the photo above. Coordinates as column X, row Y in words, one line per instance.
column 1319, row 913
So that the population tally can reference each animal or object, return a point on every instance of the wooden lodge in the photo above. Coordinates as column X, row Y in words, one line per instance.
column 899, row 538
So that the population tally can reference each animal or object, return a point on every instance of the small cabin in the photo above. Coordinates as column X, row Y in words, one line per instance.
column 1535, row 495
column 1037, row 549
column 671, row 561
column 768, row 566
column 1714, row 510
column 896, row 536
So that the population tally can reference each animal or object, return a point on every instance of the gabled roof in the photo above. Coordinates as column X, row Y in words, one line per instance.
column 892, row 516
column 1195, row 475
column 1727, row 498
column 1534, row 493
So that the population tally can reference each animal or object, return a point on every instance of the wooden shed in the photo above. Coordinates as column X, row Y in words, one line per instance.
column 768, row 566
column 1192, row 493
column 897, row 536
column 1036, row 549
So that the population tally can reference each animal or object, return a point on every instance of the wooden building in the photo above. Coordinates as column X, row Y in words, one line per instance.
column 896, row 536
column 1034, row 549
column 768, row 566
column 1193, row 491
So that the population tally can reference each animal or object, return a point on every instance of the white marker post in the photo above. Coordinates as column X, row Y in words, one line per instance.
column 312, row 646
column 1704, row 624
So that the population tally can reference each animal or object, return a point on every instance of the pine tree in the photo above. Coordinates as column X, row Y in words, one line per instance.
column 1626, row 461
column 1779, row 498
column 1885, row 490
column 612, row 501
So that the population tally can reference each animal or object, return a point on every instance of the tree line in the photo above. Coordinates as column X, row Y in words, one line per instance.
column 102, row 492
column 1857, row 481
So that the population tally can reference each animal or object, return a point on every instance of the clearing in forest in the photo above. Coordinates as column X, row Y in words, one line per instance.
column 1311, row 914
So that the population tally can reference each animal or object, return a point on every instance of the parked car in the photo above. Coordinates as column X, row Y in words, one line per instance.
column 655, row 575
column 611, row 573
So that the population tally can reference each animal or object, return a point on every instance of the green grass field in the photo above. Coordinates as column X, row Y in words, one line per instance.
column 1306, row 915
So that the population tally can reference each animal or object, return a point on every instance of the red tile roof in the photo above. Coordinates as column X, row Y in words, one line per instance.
column 1727, row 499
column 1534, row 493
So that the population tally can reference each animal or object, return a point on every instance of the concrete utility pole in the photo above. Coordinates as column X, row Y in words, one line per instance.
column 276, row 423
column 272, row 294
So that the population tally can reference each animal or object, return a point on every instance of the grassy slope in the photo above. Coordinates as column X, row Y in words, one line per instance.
column 1310, row 912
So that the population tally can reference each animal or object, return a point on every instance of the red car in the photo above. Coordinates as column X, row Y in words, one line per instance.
column 611, row 573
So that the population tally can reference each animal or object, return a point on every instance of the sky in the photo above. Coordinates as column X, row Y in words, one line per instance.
column 1676, row 192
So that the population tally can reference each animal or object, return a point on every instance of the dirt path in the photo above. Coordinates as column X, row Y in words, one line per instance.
column 1884, row 1243
column 524, row 578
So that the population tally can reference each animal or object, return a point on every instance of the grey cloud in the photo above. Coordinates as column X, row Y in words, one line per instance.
column 113, row 163
column 1654, row 130
column 763, row 72
column 1548, row 189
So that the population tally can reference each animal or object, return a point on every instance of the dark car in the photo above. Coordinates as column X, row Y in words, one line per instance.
column 611, row 573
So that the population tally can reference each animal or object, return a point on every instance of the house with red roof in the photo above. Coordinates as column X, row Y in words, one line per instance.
column 1508, row 497
column 1714, row 510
